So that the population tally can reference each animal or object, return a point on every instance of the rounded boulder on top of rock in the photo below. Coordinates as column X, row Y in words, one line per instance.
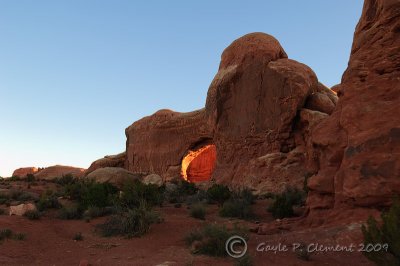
column 322, row 99
column 114, row 175
column 117, row 160
column 250, row 47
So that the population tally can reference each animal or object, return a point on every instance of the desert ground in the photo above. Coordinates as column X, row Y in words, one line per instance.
column 49, row 240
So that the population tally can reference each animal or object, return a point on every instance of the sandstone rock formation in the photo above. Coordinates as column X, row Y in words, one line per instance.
column 253, row 105
column 157, row 143
column 114, row 175
column 251, row 118
column 56, row 171
column 108, row 161
column 23, row 172
column 153, row 179
column 357, row 148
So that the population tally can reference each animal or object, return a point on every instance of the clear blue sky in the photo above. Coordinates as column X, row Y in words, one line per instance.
column 75, row 74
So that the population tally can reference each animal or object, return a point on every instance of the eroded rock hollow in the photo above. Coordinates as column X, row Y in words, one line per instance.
column 198, row 165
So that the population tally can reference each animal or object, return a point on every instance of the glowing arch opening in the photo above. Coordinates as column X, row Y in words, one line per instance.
column 198, row 165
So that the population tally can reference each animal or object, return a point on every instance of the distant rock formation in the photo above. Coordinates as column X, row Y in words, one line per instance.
column 56, row 171
column 357, row 148
column 23, row 172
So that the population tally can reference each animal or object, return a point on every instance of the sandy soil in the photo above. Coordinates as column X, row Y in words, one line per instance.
column 49, row 241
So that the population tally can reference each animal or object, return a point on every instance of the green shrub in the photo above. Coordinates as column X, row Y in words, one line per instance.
column 295, row 196
column 65, row 180
column 388, row 233
column 5, row 233
column 237, row 208
column 75, row 190
column 218, row 193
column 94, row 212
column 48, row 200
column 186, row 188
column 198, row 211
column 99, row 195
column 4, row 198
column 199, row 197
column 20, row 195
column 9, row 234
column 89, row 193
column 239, row 205
column 210, row 239
column 19, row 236
column 133, row 223
column 78, row 237
column 30, row 178
column 181, row 193
column 25, row 196
column 70, row 213
column 134, row 192
column 247, row 196
column 13, row 178
column 32, row 215
column 282, row 206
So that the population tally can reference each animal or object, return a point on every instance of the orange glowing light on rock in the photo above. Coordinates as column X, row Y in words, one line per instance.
column 199, row 164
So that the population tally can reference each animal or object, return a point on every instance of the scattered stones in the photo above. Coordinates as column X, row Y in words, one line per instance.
column 153, row 179
column 21, row 209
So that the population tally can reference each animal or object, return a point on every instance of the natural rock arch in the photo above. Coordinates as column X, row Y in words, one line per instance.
column 198, row 164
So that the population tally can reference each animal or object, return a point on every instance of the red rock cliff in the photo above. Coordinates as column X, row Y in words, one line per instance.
column 358, row 146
